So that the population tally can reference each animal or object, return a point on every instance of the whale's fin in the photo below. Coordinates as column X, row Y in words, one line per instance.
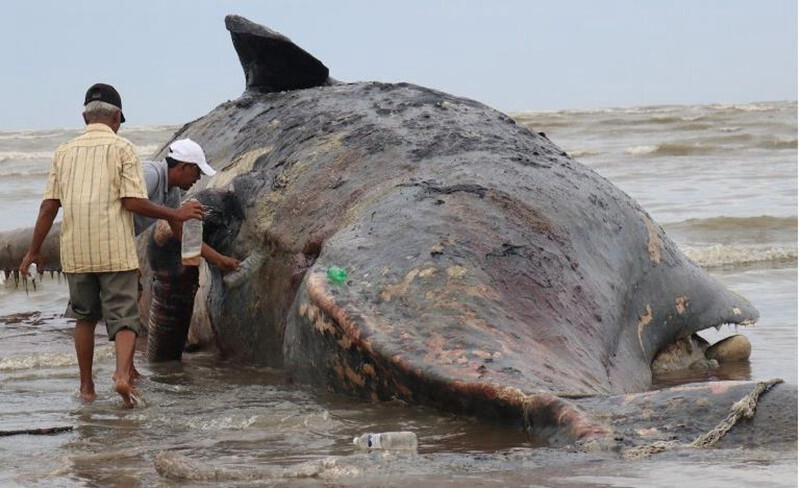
column 271, row 61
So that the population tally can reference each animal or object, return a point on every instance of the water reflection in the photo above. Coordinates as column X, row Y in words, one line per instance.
column 738, row 371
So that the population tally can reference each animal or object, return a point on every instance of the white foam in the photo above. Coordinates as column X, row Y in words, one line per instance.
column 639, row 150
column 198, row 423
column 30, row 172
column 176, row 466
column 25, row 156
column 50, row 360
column 142, row 150
column 726, row 255
column 754, row 107
column 582, row 153
column 65, row 133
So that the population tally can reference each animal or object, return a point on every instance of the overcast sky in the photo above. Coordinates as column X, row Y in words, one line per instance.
column 173, row 60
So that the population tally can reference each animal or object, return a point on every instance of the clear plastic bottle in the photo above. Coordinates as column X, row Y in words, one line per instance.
column 387, row 440
column 192, row 242
column 246, row 268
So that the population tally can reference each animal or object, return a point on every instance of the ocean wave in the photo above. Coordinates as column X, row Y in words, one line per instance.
column 669, row 119
column 50, row 360
column 582, row 153
column 755, row 106
column 670, row 149
column 731, row 255
column 778, row 143
column 736, row 224
column 25, row 156
column 728, row 140
column 639, row 150
column 139, row 129
column 66, row 133
column 670, row 113
column 70, row 132
column 147, row 150
column 636, row 110
column 37, row 173
column 196, row 422
column 142, row 150
column 698, row 126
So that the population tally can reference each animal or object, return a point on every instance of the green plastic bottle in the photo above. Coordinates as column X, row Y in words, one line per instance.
column 336, row 275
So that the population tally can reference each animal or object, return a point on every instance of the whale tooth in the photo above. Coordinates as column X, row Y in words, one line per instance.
column 718, row 327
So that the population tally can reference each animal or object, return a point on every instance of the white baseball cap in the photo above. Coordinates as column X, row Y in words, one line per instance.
column 188, row 151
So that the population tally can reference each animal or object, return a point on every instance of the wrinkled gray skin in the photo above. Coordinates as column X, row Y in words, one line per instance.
column 489, row 274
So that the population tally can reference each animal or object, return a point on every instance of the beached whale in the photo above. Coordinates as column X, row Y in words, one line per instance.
column 488, row 273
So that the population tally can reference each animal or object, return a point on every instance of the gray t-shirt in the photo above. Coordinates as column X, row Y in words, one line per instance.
column 158, row 192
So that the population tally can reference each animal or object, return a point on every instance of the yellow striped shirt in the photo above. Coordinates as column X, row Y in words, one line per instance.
column 90, row 175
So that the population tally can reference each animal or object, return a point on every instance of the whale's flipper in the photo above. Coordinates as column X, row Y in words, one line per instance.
column 271, row 61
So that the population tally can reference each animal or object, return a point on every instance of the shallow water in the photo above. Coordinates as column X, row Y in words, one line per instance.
column 722, row 181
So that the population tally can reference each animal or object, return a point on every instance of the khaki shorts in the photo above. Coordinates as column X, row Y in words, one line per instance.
column 111, row 296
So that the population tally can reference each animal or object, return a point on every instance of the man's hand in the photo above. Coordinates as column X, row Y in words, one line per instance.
column 190, row 210
column 226, row 264
column 31, row 259
column 142, row 206
column 47, row 213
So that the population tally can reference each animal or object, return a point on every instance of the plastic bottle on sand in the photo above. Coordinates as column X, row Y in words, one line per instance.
column 192, row 242
column 387, row 440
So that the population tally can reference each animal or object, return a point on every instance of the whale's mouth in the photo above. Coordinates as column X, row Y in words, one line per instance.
column 697, row 352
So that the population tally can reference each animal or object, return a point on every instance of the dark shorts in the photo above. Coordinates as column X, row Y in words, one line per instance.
column 110, row 296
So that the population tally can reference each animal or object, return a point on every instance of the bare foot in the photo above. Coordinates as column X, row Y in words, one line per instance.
column 126, row 391
column 87, row 392
column 133, row 378
column 135, row 375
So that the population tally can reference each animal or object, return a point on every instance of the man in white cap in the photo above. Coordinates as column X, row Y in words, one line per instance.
column 165, row 180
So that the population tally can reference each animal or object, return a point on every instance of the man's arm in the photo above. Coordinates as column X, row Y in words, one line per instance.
column 224, row 263
column 142, row 206
column 133, row 192
column 47, row 214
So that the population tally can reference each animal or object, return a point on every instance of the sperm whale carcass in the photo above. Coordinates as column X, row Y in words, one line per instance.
column 488, row 273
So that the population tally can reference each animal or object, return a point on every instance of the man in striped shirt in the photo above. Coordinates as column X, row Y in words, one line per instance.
column 97, row 179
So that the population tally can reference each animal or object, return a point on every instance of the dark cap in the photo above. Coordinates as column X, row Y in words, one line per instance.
column 100, row 92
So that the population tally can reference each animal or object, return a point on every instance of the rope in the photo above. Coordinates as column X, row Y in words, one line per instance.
column 649, row 450
column 744, row 408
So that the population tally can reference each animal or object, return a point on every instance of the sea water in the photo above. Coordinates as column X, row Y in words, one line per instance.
column 721, row 179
